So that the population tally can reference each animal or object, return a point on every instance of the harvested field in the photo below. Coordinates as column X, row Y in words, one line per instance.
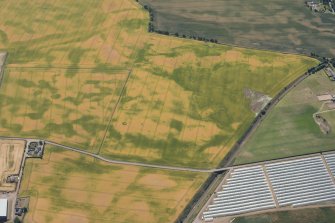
column 68, row 187
column 90, row 75
column 273, row 25
column 290, row 128
column 11, row 155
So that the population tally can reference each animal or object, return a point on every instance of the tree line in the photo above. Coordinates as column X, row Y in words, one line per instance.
column 151, row 28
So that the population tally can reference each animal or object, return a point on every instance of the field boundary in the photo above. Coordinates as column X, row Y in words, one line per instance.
column 113, row 112
column 2, row 68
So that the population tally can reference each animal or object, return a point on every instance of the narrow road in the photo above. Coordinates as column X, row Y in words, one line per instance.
column 73, row 149
column 322, row 112
column 133, row 163
column 157, row 166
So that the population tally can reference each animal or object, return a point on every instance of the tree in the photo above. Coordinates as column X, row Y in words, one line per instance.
column 17, row 220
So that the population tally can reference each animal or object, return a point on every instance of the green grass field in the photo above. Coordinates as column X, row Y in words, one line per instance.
column 290, row 128
column 310, row 215
column 273, row 25
column 182, row 101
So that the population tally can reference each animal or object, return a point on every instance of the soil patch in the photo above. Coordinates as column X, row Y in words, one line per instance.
column 257, row 100
column 323, row 124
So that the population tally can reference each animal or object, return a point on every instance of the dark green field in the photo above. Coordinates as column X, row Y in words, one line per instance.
column 274, row 25
column 290, row 128
column 311, row 215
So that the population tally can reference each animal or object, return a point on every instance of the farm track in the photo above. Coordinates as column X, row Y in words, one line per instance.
column 2, row 68
column 113, row 112
column 163, row 167
column 94, row 155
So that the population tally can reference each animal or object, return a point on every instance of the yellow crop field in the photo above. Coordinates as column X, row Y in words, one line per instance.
column 51, row 105
column 88, row 74
column 68, row 187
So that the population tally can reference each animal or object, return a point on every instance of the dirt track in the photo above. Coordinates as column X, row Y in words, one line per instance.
column 3, row 56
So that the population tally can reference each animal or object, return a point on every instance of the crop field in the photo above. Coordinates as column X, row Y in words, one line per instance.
column 290, row 128
column 310, row 215
column 68, row 187
column 284, row 25
column 90, row 75
column 11, row 154
column 49, row 104
column 191, row 112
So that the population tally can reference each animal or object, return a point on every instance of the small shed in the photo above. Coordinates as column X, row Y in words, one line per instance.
column 3, row 210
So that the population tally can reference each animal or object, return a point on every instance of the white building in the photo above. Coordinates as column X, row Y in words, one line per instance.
column 3, row 209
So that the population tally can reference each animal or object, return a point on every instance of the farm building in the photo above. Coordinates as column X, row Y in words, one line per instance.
column 3, row 210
